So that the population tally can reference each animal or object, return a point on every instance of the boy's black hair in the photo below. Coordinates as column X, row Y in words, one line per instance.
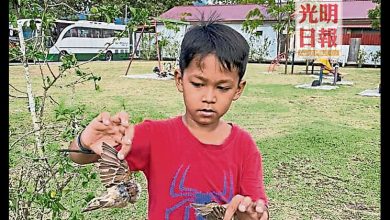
column 229, row 46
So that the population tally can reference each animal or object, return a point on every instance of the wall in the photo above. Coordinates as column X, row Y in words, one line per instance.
column 267, row 30
column 173, row 49
column 370, row 49
column 270, row 33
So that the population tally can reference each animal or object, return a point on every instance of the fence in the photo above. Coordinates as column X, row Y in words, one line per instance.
column 366, row 38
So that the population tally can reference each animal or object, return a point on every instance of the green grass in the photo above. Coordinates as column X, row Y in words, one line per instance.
column 321, row 149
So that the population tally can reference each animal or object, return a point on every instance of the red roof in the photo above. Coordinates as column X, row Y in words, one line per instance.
column 351, row 10
column 224, row 12
column 357, row 9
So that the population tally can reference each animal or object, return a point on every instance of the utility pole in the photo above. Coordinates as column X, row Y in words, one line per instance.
column 287, row 45
column 293, row 56
column 279, row 21
column 128, row 32
column 125, row 14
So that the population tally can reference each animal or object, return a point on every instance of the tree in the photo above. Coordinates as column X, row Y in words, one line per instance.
column 40, row 175
column 224, row 2
column 105, row 13
column 69, row 9
column 375, row 57
column 42, row 178
column 282, row 11
column 156, row 8
column 258, row 48
column 375, row 15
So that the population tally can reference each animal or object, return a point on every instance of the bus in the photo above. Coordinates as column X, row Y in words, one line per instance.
column 13, row 38
column 85, row 39
column 32, row 34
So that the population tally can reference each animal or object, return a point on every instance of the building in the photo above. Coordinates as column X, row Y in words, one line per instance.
column 358, row 34
column 231, row 15
column 357, row 31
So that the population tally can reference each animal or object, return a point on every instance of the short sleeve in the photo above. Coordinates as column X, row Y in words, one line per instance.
column 252, row 183
column 138, row 158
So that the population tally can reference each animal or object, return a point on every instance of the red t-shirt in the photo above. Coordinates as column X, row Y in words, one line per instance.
column 181, row 170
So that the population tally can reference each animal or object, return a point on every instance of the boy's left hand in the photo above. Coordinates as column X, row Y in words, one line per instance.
column 245, row 208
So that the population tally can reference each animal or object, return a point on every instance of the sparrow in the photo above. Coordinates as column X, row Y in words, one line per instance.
column 115, row 175
column 211, row 211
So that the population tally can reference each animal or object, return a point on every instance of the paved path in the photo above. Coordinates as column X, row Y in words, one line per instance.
column 148, row 76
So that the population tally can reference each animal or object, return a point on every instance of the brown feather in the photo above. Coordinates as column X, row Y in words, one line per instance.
column 115, row 175
column 110, row 199
column 112, row 170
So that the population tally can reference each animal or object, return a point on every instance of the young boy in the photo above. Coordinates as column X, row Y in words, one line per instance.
column 196, row 157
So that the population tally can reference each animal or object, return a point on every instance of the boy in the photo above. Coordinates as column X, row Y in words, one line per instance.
column 196, row 157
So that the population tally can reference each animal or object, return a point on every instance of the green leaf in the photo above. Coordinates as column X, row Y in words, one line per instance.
column 60, row 206
column 89, row 197
column 60, row 118
column 94, row 10
column 93, row 176
column 61, row 170
column 79, row 72
column 84, row 184
column 48, row 80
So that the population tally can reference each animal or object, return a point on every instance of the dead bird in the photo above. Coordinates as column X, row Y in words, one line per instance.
column 115, row 175
column 211, row 211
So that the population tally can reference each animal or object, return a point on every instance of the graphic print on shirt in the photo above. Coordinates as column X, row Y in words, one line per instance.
column 190, row 195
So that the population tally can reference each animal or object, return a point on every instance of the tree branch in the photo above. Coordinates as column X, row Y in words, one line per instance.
column 17, row 89
column 50, row 70
column 30, row 132
column 51, row 98
column 80, row 80
column 64, row 4
column 42, row 76
column 19, row 97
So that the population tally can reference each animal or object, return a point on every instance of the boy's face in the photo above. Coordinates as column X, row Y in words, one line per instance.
column 208, row 89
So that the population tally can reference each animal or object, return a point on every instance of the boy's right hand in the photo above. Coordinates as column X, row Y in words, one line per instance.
column 112, row 130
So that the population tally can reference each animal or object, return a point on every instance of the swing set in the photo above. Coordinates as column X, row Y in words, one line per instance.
column 168, row 68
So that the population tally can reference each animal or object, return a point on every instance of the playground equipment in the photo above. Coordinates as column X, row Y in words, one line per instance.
column 276, row 62
column 326, row 67
column 326, row 63
column 153, row 27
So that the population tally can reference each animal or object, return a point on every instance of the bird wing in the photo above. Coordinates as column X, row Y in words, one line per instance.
column 112, row 170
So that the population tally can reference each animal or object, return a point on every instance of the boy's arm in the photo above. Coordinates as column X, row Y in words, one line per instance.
column 246, row 209
column 81, row 158
column 251, row 203
column 111, row 130
column 252, row 179
column 139, row 156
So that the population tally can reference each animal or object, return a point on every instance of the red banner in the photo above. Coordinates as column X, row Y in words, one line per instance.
column 318, row 28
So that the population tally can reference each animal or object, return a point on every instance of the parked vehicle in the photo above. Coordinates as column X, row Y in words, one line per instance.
column 86, row 39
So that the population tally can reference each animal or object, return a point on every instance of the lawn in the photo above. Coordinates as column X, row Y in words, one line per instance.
column 321, row 149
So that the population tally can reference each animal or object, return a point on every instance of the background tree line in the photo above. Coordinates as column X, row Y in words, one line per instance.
column 114, row 8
